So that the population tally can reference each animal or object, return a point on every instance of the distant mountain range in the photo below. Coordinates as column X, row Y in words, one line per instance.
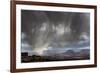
column 83, row 54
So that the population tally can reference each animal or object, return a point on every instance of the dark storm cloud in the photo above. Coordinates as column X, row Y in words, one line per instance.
column 46, row 28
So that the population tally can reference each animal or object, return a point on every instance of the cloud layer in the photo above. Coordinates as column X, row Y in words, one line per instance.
column 43, row 29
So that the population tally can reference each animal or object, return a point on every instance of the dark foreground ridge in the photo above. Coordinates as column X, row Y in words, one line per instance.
column 83, row 54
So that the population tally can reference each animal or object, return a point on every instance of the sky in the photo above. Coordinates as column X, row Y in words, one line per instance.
column 51, row 30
